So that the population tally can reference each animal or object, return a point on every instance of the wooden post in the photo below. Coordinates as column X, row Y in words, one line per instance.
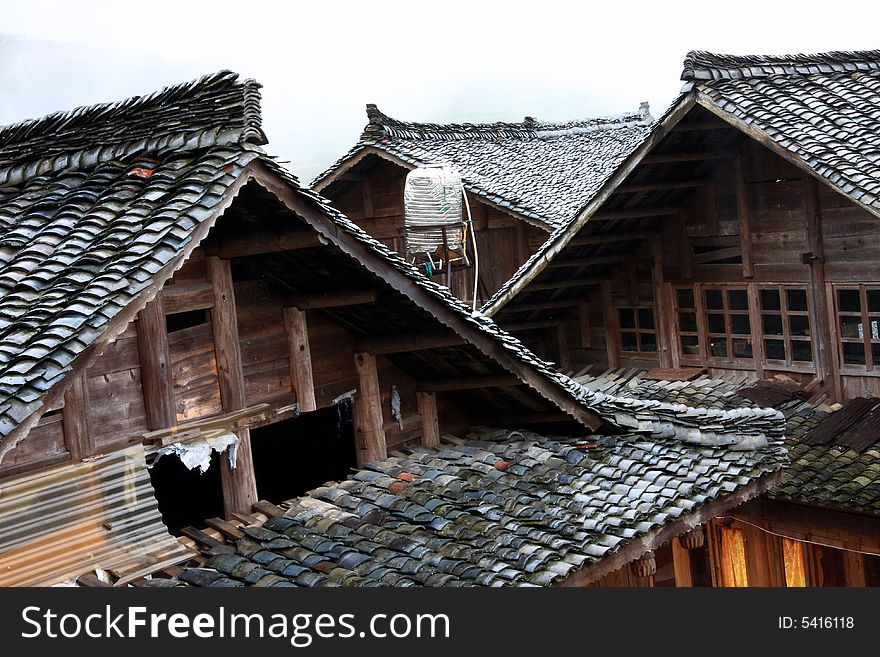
column 681, row 564
column 757, row 328
column 300, row 359
column 745, row 221
column 612, row 330
column 76, row 419
column 711, row 210
column 819, row 298
column 368, row 423
column 367, row 196
column 155, row 360
column 427, row 403
column 240, row 484
column 586, row 327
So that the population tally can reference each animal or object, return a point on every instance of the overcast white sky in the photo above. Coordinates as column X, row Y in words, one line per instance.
column 424, row 60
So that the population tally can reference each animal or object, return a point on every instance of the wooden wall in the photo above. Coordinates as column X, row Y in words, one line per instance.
column 797, row 232
column 504, row 242
column 115, row 403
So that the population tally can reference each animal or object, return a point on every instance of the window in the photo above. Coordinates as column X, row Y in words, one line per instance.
column 637, row 331
column 716, row 325
column 728, row 328
column 688, row 328
column 785, row 324
column 858, row 307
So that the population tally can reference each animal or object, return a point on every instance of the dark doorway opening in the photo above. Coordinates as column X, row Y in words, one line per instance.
column 187, row 497
column 297, row 455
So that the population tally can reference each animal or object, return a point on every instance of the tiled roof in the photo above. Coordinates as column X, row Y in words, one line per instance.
column 832, row 473
column 822, row 109
column 542, row 171
column 817, row 110
column 500, row 509
column 93, row 203
column 80, row 244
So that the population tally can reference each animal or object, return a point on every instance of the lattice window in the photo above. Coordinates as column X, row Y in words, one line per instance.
column 785, row 324
column 638, row 333
column 728, row 327
column 858, row 326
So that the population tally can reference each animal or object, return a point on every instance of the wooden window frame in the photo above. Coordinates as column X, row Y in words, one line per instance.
column 754, row 311
column 728, row 335
column 784, row 313
column 870, row 368
column 637, row 331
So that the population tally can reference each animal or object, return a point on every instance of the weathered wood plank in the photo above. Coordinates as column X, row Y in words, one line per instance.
column 239, row 484
column 332, row 299
column 427, row 403
column 368, row 422
column 155, row 359
column 745, row 220
column 300, row 358
column 76, row 416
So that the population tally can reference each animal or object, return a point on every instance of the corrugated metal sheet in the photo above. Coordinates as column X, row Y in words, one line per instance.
column 59, row 523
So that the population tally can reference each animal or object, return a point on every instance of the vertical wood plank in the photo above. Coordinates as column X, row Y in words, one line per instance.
column 687, row 252
column 854, row 569
column 155, row 360
column 427, row 404
column 586, row 327
column 367, row 196
column 757, row 329
column 239, row 484
column 662, row 311
column 819, row 315
column 522, row 242
column 562, row 350
column 745, row 220
column 300, row 358
column 711, row 210
column 612, row 330
column 76, row 420
column 632, row 282
column 368, row 422
column 681, row 565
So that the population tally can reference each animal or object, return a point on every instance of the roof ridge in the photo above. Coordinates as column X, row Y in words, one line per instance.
column 703, row 65
column 215, row 109
column 381, row 126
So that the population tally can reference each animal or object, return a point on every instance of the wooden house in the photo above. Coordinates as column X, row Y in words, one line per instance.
column 523, row 181
column 739, row 241
column 172, row 301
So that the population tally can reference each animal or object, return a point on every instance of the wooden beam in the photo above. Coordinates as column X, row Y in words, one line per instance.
column 368, row 423
column 636, row 213
column 556, row 285
column 512, row 327
column 468, row 383
column 588, row 261
column 691, row 156
column 745, row 220
column 608, row 238
column 819, row 302
column 701, row 125
column 661, row 186
column 300, row 359
column 681, row 564
column 427, row 404
column 263, row 242
column 181, row 298
column 407, row 342
column 76, row 418
column 239, row 484
column 155, row 360
column 331, row 299
column 549, row 304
